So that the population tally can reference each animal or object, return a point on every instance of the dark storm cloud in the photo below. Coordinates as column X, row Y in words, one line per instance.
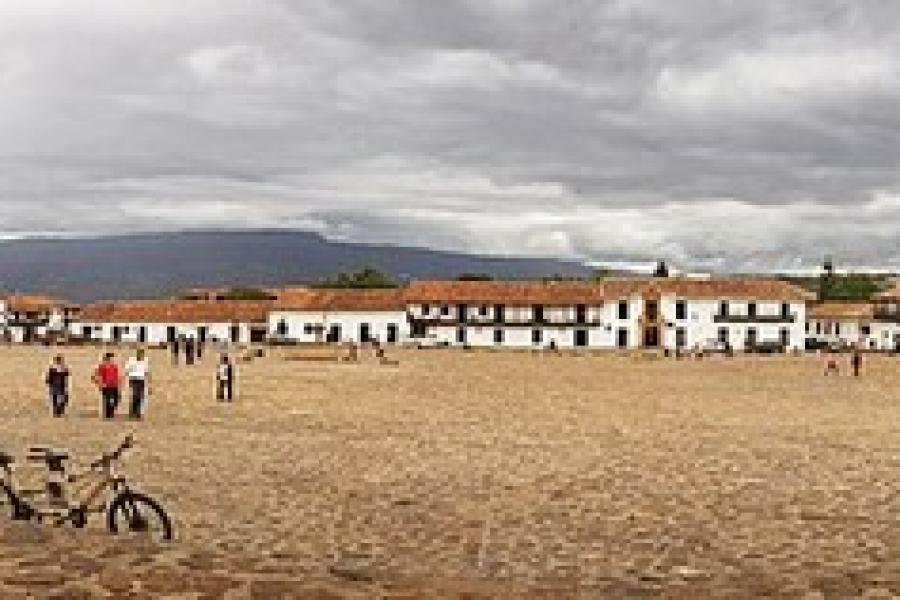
column 716, row 133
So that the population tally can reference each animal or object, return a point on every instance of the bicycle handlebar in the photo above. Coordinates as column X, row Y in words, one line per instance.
column 115, row 455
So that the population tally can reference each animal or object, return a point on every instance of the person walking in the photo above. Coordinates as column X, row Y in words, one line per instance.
column 176, row 348
column 856, row 361
column 189, row 350
column 137, row 369
column 58, row 385
column 831, row 363
column 225, row 380
column 108, row 379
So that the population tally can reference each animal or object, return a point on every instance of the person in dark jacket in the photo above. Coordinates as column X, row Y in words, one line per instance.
column 225, row 380
column 58, row 385
column 189, row 351
column 856, row 361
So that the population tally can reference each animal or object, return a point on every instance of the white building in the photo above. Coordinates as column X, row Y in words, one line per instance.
column 842, row 325
column 617, row 313
column 30, row 318
column 160, row 322
column 886, row 320
column 338, row 315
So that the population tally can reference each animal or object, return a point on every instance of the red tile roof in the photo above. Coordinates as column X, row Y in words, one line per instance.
column 840, row 311
column 174, row 311
column 575, row 292
column 34, row 303
column 505, row 292
column 307, row 299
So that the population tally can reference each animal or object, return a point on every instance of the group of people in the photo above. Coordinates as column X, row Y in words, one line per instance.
column 109, row 378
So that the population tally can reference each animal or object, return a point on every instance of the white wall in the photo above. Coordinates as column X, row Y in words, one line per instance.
column 157, row 333
column 702, row 331
column 350, row 323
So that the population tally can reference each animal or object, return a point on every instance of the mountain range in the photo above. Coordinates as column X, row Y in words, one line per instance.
column 150, row 265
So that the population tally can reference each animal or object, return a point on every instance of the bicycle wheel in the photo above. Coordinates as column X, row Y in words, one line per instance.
column 136, row 513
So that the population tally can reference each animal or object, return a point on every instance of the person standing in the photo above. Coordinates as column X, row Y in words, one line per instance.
column 137, row 369
column 189, row 350
column 856, row 361
column 58, row 385
column 108, row 380
column 176, row 347
column 225, row 380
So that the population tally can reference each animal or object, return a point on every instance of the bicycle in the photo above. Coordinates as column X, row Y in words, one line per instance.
column 126, row 510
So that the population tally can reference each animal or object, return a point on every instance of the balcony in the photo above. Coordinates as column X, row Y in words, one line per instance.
column 509, row 321
column 729, row 318
column 886, row 314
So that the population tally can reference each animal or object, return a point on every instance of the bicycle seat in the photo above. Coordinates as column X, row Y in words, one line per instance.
column 47, row 454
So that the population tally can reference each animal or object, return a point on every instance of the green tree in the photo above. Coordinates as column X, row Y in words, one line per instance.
column 848, row 287
column 367, row 278
column 247, row 293
column 474, row 277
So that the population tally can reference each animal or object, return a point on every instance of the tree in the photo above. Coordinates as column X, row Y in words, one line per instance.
column 246, row 293
column 368, row 278
column 474, row 277
column 848, row 287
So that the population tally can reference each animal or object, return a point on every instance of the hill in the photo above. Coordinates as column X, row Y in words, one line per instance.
column 159, row 264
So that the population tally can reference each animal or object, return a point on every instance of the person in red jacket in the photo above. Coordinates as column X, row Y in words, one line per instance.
column 108, row 379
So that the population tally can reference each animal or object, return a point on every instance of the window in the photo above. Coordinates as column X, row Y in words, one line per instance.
column 751, row 336
column 308, row 328
column 334, row 334
column 681, row 310
column 499, row 313
column 723, row 308
column 837, row 329
column 536, row 336
column 866, row 330
column 282, row 328
column 426, row 309
column 818, row 328
column 498, row 336
column 785, row 310
column 460, row 335
column 651, row 310
column 482, row 310
column 723, row 335
column 751, row 310
column 462, row 312
column 807, row 327
column 581, row 313
column 445, row 310
column 581, row 338
column 623, row 309
column 392, row 333
column 365, row 332
column 784, row 336
column 537, row 312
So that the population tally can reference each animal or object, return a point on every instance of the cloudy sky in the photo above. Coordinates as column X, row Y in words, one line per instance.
column 714, row 133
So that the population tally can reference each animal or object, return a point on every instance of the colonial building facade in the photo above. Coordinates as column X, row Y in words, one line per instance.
column 626, row 313
column 160, row 322
column 305, row 315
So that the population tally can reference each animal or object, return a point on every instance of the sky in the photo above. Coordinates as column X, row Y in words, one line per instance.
column 715, row 134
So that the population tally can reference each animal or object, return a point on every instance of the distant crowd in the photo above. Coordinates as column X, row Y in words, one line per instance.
column 110, row 377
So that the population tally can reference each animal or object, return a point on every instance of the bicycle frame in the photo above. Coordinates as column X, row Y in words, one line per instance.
column 84, row 496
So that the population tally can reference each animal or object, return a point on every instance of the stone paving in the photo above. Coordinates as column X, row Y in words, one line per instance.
column 481, row 475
